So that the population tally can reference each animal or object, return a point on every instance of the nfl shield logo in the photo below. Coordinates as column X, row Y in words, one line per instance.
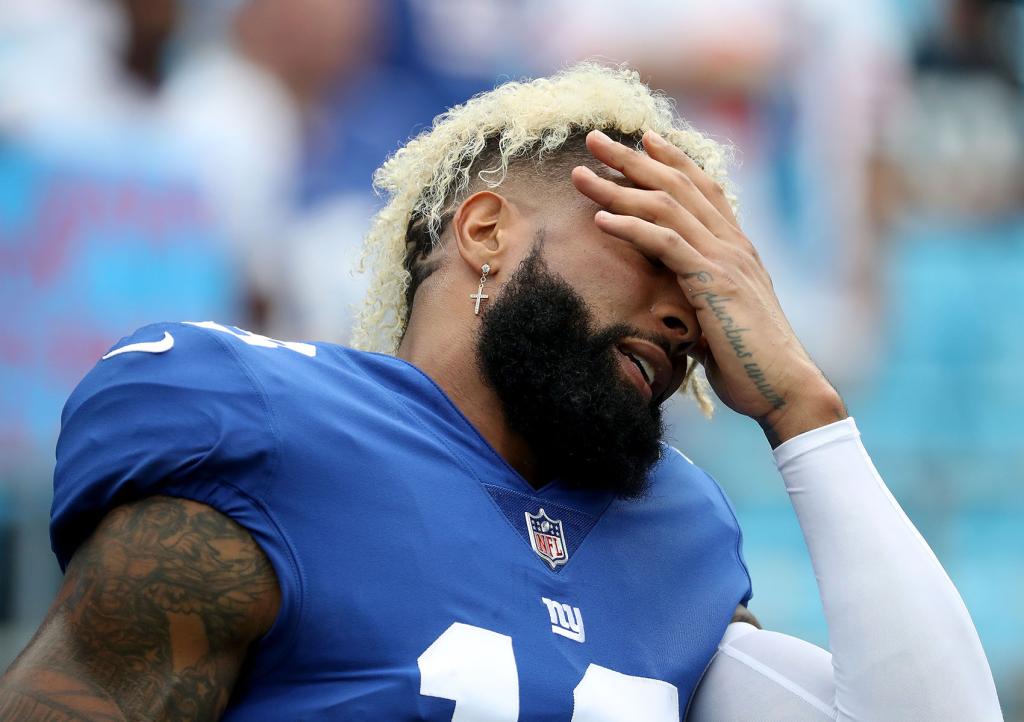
column 547, row 538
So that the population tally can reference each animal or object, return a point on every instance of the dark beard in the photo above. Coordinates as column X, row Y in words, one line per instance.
column 561, row 387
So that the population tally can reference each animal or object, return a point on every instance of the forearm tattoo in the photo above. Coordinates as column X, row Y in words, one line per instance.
column 156, row 614
column 718, row 304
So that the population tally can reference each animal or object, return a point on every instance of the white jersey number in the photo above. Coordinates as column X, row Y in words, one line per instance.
column 476, row 668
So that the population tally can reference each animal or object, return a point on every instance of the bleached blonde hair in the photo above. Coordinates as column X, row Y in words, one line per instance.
column 427, row 179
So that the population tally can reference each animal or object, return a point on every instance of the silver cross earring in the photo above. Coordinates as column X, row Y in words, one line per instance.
column 480, row 295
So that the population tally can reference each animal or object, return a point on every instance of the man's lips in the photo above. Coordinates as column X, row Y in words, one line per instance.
column 635, row 375
column 649, row 368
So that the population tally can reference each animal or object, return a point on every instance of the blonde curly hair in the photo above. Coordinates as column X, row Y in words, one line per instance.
column 531, row 119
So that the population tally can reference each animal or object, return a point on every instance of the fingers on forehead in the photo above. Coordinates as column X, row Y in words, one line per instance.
column 611, row 152
column 593, row 185
column 673, row 155
column 620, row 156
column 663, row 165
column 637, row 166
column 625, row 199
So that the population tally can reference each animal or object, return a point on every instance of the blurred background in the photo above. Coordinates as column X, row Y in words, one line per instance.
column 212, row 159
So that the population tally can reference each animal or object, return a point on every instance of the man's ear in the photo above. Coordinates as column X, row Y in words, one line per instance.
column 481, row 228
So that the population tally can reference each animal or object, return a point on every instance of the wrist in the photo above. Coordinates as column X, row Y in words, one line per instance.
column 809, row 409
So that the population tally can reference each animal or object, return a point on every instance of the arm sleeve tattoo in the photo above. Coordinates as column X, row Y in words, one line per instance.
column 153, row 621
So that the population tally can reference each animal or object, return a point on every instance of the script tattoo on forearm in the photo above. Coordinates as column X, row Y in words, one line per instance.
column 717, row 304
column 733, row 334
column 158, row 609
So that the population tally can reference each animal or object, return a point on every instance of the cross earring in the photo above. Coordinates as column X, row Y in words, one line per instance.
column 480, row 295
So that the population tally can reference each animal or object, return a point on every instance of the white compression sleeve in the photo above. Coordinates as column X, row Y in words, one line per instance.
column 903, row 644
column 760, row 675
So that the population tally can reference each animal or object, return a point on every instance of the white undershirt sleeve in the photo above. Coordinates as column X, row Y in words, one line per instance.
column 903, row 644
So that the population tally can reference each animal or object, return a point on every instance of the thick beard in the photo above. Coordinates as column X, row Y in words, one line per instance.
column 561, row 386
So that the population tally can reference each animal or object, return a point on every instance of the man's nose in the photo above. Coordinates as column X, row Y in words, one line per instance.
column 678, row 321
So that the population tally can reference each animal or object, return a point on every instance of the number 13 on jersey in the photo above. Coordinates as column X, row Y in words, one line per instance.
column 476, row 668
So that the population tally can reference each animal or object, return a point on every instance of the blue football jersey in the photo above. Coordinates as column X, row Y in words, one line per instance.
column 421, row 576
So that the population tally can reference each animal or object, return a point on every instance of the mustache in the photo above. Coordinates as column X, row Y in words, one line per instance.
column 611, row 335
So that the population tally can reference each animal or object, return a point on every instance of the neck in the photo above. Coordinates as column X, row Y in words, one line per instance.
column 450, row 360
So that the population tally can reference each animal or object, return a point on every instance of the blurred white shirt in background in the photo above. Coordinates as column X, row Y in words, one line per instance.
column 59, row 74
column 243, row 130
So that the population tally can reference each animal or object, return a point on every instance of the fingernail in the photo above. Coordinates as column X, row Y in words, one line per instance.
column 600, row 134
column 655, row 138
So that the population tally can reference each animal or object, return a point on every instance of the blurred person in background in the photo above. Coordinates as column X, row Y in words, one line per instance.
column 955, row 148
column 421, row 57
column 953, row 198
column 102, row 224
column 946, row 405
column 69, row 68
column 246, row 91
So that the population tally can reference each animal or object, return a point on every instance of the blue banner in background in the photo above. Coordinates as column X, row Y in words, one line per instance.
column 92, row 245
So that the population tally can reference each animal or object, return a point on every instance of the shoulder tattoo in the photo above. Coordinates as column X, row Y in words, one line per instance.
column 153, row 621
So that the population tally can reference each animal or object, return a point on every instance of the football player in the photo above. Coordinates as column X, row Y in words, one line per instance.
column 479, row 521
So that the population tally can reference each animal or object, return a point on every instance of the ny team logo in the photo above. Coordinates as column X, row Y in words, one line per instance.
column 547, row 538
column 565, row 620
